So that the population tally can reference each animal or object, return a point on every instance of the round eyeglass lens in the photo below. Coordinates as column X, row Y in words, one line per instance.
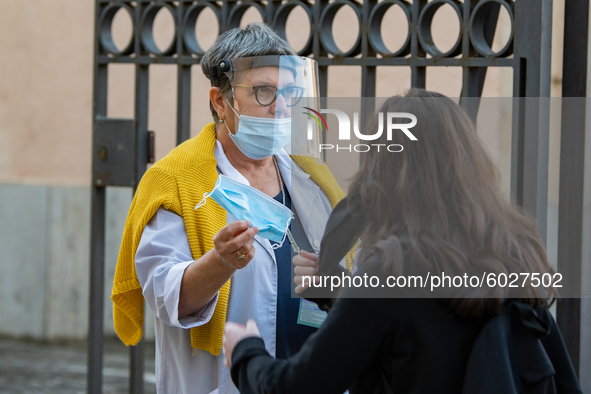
column 265, row 94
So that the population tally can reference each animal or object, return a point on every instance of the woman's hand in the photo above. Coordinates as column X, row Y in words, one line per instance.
column 233, row 244
column 233, row 334
column 306, row 264
column 233, row 249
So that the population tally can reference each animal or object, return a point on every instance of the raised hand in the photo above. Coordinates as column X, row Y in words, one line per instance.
column 233, row 244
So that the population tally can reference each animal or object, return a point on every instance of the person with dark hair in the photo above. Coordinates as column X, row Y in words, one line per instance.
column 435, row 208
column 197, row 261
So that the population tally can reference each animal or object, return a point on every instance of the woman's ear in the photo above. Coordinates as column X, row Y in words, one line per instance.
column 217, row 100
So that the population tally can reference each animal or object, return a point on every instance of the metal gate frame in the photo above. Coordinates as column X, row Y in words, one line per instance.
column 574, row 221
column 528, row 53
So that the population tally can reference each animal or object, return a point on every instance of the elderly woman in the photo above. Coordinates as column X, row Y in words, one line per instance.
column 198, row 267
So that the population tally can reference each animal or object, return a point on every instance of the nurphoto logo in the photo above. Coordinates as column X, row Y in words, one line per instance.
column 345, row 129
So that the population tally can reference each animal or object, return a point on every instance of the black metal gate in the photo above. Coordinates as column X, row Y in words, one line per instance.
column 527, row 53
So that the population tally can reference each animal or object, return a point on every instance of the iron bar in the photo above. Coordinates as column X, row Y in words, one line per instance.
column 142, row 80
column 97, row 235
column 337, row 61
column 183, row 120
column 418, row 71
column 574, row 220
column 97, row 273
column 183, row 125
column 518, row 127
column 473, row 77
column 529, row 166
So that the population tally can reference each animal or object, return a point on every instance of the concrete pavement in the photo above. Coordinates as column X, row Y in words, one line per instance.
column 33, row 367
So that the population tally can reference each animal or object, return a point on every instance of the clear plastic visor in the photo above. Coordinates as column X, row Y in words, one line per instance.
column 280, row 88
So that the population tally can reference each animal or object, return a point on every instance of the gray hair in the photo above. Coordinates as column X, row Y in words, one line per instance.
column 256, row 39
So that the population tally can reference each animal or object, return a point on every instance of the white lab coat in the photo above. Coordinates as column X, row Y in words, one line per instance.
column 164, row 254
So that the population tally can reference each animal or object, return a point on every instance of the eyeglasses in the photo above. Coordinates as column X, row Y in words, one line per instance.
column 267, row 94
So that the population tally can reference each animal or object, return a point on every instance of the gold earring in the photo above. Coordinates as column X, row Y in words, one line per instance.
column 221, row 121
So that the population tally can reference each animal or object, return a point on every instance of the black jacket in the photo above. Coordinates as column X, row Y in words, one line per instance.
column 406, row 345
column 522, row 351
column 420, row 346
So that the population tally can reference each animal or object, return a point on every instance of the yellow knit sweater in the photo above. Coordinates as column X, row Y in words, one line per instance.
column 177, row 183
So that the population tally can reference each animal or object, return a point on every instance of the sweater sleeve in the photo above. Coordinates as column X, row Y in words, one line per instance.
column 330, row 360
column 156, row 189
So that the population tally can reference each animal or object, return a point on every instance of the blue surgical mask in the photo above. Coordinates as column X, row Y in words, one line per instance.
column 247, row 203
column 258, row 138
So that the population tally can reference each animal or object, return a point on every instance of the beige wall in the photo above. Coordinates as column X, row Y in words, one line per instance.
column 45, row 91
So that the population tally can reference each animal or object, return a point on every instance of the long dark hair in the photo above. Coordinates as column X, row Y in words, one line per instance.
column 437, row 206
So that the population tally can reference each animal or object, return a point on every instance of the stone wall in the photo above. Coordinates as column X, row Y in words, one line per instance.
column 44, row 239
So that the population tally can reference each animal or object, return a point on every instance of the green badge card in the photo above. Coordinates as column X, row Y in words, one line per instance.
column 309, row 314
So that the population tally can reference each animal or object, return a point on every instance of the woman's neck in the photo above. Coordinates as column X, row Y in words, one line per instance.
column 261, row 174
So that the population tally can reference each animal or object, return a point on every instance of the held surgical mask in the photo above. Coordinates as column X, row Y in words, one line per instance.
column 258, row 138
column 247, row 203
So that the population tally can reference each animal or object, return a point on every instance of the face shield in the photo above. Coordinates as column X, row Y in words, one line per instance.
column 272, row 96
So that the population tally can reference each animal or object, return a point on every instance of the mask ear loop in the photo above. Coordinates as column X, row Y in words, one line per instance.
column 206, row 195
column 235, row 113
column 231, row 106
column 277, row 246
